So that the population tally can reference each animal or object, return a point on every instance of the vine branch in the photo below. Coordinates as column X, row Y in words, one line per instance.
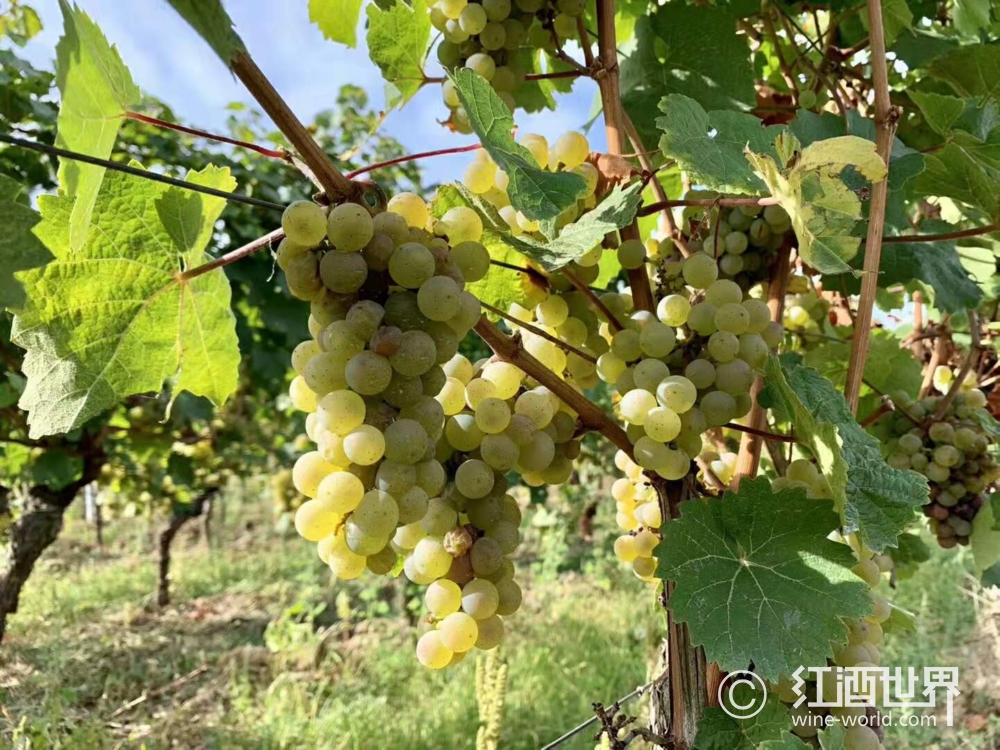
column 282, row 154
column 886, row 116
column 594, row 300
column 970, row 361
column 591, row 415
column 233, row 255
column 539, row 332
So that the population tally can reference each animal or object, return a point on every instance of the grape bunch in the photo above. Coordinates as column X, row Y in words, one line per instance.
column 805, row 309
column 953, row 452
column 497, row 39
column 413, row 441
column 744, row 240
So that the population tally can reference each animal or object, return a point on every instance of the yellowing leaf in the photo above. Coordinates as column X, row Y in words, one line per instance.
column 114, row 317
column 337, row 19
column 823, row 209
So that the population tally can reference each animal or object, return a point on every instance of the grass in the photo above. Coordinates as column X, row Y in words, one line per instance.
column 259, row 651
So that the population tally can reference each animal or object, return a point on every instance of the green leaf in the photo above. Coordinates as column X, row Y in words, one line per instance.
column 911, row 551
column 710, row 146
column 19, row 248
column 757, row 580
column 96, row 89
column 337, row 19
column 536, row 193
column 985, row 539
column 972, row 16
column 966, row 169
column 213, row 24
column 935, row 264
column 833, row 737
column 972, row 70
column 614, row 212
column 718, row 730
column 900, row 620
column 940, row 111
column 398, row 39
column 711, row 66
column 896, row 18
column 114, row 318
column 56, row 469
column 823, row 209
column 872, row 498
column 889, row 367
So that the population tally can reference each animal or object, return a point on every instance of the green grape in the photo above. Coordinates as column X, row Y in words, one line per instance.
column 538, row 453
column 701, row 319
column 536, row 406
column 462, row 224
column 363, row 319
column 411, row 206
column 723, row 346
column 515, row 35
column 482, row 64
column 636, row 405
column 416, row 354
column 411, row 264
column 718, row 408
column 610, row 367
column 649, row 454
column 520, row 430
column 432, row 652
column 341, row 411
column 392, row 226
column 662, row 424
column 505, row 376
column 736, row 243
column 484, row 513
column 493, row 37
column 462, row 433
column 626, row 345
column 474, row 479
column 732, row 318
column 486, row 556
column 368, row 373
column 349, row 227
column 376, row 514
column 700, row 271
column 364, row 445
column 442, row 598
column 649, row 373
column 773, row 335
column 723, row 292
column 679, row 393
column 700, row 372
column 496, row 10
column 500, row 452
column 438, row 297
column 753, row 350
column 508, row 597
column 405, row 441
column 657, row 339
column 304, row 223
column 564, row 25
column 302, row 277
column 941, row 432
column 676, row 466
column 472, row 259
column 492, row 415
column 731, row 265
column 395, row 478
column 314, row 520
column 310, row 469
column 631, row 253
column 480, row 599
column 506, row 535
column 342, row 273
column 860, row 737
column 734, row 377
column 472, row 19
column 759, row 315
column 459, row 632
column 673, row 310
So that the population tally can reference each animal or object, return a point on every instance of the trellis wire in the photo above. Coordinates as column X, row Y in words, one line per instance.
column 593, row 719
column 145, row 174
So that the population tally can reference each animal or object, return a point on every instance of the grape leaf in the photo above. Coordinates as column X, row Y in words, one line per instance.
column 710, row 145
column 711, row 66
column 966, row 169
column 973, row 70
column 940, row 110
column 900, row 620
column 96, row 88
column 917, row 48
column 213, row 24
column 398, row 39
column 337, row 19
column 935, row 265
column 889, row 368
column 787, row 741
column 833, row 737
column 971, row 16
column 536, row 193
column 872, row 498
column 896, row 18
column 823, row 209
column 56, row 469
column 757, row 580
column 19, row 248
column 718, row 730
column 985, row 539
column 114, row 318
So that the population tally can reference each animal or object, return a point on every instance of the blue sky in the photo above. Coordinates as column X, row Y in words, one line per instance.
column 169, row 60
